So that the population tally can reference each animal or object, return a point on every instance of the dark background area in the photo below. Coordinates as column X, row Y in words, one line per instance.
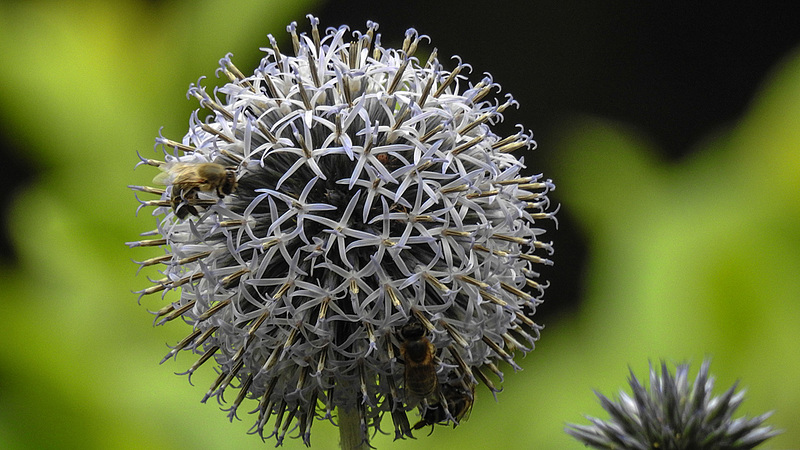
column 675, row 71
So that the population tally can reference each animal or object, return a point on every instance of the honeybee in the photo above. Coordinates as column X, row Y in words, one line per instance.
column 391, row 163
column 418, row 355
column 459, row 404
column 188, row 179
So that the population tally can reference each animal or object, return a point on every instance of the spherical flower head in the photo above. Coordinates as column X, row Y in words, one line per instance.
column 346, row 231
column 672, row 414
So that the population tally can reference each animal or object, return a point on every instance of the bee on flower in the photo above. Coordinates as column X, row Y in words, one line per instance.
column 344, row 217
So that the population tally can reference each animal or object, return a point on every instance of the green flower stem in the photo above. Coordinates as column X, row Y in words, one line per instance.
column 351, row 436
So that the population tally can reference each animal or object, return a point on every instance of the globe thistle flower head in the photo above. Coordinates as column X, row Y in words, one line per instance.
column 347, row 232
column 674, row 414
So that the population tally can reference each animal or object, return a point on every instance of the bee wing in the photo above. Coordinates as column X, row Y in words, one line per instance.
column 179, row 173
column 167, row 173
column 161, row 178
column 189, row 179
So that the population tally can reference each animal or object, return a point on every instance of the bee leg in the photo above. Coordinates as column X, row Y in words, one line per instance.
column 181, row 206
column 183, row 211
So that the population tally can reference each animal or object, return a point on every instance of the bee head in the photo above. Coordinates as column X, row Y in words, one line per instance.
column 412, row 331
column 229, row 184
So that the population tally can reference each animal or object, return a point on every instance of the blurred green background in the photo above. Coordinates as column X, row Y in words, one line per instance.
column 676, row 243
